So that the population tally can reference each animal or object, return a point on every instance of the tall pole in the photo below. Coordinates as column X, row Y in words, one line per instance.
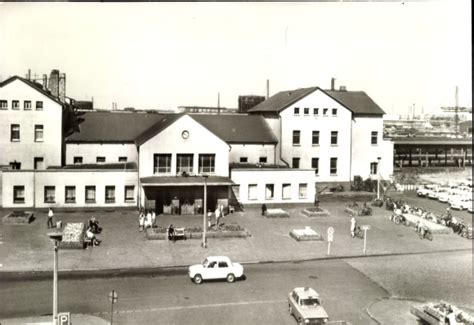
column 378, row 178
column 55, row 284
column 204, row 215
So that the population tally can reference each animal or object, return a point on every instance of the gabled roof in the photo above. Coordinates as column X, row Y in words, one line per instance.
column 358, row 102
column 156, row 128
column 113, row 127
column 238, row 128
column 282, row 100
column 34, row 85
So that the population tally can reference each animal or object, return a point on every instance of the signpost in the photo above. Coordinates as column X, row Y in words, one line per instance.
column 365, row 228
column 64, row 318
column 330, row 238
column 113, row 299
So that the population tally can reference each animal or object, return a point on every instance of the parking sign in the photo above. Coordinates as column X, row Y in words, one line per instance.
column 64, row 318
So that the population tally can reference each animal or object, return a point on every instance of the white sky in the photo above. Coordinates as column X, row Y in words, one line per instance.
column 163, row 55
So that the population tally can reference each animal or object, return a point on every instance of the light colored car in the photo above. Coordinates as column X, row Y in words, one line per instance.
column 215, row 267
column 424, row 189
column 448, row 196
column 461, row 203
column 305, row 305
column 433, row 194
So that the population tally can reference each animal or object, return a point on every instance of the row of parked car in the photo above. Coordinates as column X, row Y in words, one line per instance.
column 458, row 196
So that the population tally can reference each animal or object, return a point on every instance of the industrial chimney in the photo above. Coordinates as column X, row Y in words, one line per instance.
column 333, row 84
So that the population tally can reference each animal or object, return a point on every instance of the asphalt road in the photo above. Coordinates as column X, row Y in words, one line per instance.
column 174, row 299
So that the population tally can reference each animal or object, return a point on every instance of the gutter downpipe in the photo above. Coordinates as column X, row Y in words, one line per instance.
column 350, row 160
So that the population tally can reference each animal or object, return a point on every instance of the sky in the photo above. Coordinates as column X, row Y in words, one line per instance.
column 165, row 55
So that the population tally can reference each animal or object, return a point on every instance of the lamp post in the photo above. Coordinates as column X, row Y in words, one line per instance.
column 56, row 237
column 378, row 177
column 204, row 214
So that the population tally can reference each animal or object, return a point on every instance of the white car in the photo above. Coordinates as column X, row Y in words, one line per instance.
column 447, row 197
column 424, row 190
column 433, row 194
column 305, row 305
column 215, row 267
column 462, row 203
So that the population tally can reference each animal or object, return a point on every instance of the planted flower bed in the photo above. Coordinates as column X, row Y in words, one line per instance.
column 305, row 234
column 225, row 231
column 73, row 235
column 18, row 218
column 276, row 213
column 316, row 212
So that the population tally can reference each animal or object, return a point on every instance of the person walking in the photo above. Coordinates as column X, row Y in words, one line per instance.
column 141, row 221
column 264, row 209
column 353, row 226
column 50, row 218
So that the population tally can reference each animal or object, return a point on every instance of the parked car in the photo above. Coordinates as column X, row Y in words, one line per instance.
column 470, row 209
column 424, row 189
column 305, row 305
column 215, row 267
column 433, row 194
column 461, row 203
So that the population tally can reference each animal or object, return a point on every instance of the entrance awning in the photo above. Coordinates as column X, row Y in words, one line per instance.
column 185, row 181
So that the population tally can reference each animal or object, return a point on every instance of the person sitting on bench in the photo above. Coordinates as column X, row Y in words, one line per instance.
column 92, row 238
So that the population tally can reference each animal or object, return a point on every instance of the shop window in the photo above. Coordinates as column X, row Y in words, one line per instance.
column 296, row 162
column 333, row 167
column 334, row 138
column 303, row 191
column 90, row 194
column 262, row 160
column 70, row 192
column 38, row 163
column 77, row 160
column 110, row 194
column 315, row 165
column 39, row 105
column 122, row 159
column 296, row 137
column 27, row 105
column 39, row 130
column 184, row 163
column 49, row 194
column 374, row 137
column 269, row 191
column 100, row 159
column 297, row 111
column 162, row 163
column 129, row 193
column 15, row 133
column 18, row 194
column 15, row 104
column 315, row 138
column 207, row 163
column 3, row 104
column 253, row 191
column 286, row 191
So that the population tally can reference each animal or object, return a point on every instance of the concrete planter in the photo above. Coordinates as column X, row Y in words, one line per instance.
column 154, row 234
column 306, row 234
column 315, row 212
column 18, row 218
column 73, row 236
column 276, row 213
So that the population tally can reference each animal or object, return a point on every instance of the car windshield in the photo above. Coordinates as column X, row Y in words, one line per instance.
column 310, row 302
column 205, row 263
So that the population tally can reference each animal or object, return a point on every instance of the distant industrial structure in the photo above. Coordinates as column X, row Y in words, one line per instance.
column 247, row 102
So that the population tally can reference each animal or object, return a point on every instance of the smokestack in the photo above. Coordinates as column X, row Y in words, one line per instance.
column 218, row 103
column 333, row 84
column 268, row 88
column 45, row 82
column 29, row 74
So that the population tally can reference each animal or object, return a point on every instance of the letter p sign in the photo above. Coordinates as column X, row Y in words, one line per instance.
column 64, row 318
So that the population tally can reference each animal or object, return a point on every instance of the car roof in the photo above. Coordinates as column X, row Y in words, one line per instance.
column 306, row 292
column 217, row 258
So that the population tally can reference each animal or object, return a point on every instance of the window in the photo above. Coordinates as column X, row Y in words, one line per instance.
column 296, row 137
column 122, row 159
column 252, row 191
column 269, row 191
column 129, row 193
column 38, row 163
column 315, row 138
column 333, row 169
column 306, row 111
column 15, row 133
column 374, row 137
column 3, row 104
column 315, row 165
column 302, row 191
column 296, row 162
column 39, row 133
column 207, row 163
column 334, row 138
column 70, row 193
column 15, row 104
column 18, row 194
column 223, row 264
column 286, row 191
column 184, row 163
column 100, row 159
column 325, row 111
column 243, row 159
column 49, row 194
column 373, row 168
column 297, row 110
column 90, row 194
column 27, row 105
column 77, row 160
column 262, row 160
column 334, row 112
column 162, row 163
column 110, row 194
column 315, row 111
column 39, row 105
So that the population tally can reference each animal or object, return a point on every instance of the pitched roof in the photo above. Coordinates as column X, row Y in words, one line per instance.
column 156, row 128
column 356, row 101
column 113, row 127
column 282, row 100
column 32, row 84
column 238, row 128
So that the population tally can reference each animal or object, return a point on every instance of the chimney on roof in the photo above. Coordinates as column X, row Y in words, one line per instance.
column 28, row 76
column 342, row 88
column 268, row 88
column 45, row 82
column 62, row 87
column 333, row 83
column 218, row 103
column 53, row 84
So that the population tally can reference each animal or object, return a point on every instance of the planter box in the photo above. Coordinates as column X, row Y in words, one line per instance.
column 157, row 234
column 315, row 212
column 73, row 236
column 306, row 234
column 276, row 213
column 18, row 218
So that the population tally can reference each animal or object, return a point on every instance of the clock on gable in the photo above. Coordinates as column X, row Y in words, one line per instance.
column 185, row 134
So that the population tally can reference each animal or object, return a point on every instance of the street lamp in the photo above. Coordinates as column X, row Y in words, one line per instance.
column 204, row 214
column 56, row 237
column 378, row 177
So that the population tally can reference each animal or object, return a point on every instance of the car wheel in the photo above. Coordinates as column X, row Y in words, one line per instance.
column 230, row 278
column 198, row 279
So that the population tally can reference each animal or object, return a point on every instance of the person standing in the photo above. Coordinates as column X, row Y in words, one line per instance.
column 218, row 215
column 153, row 218
column 264, row 209
column 50, row 218
column 353, row 226
column 141, row 221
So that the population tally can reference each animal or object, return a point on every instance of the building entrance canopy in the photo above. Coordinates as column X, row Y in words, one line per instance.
column 185, row 181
